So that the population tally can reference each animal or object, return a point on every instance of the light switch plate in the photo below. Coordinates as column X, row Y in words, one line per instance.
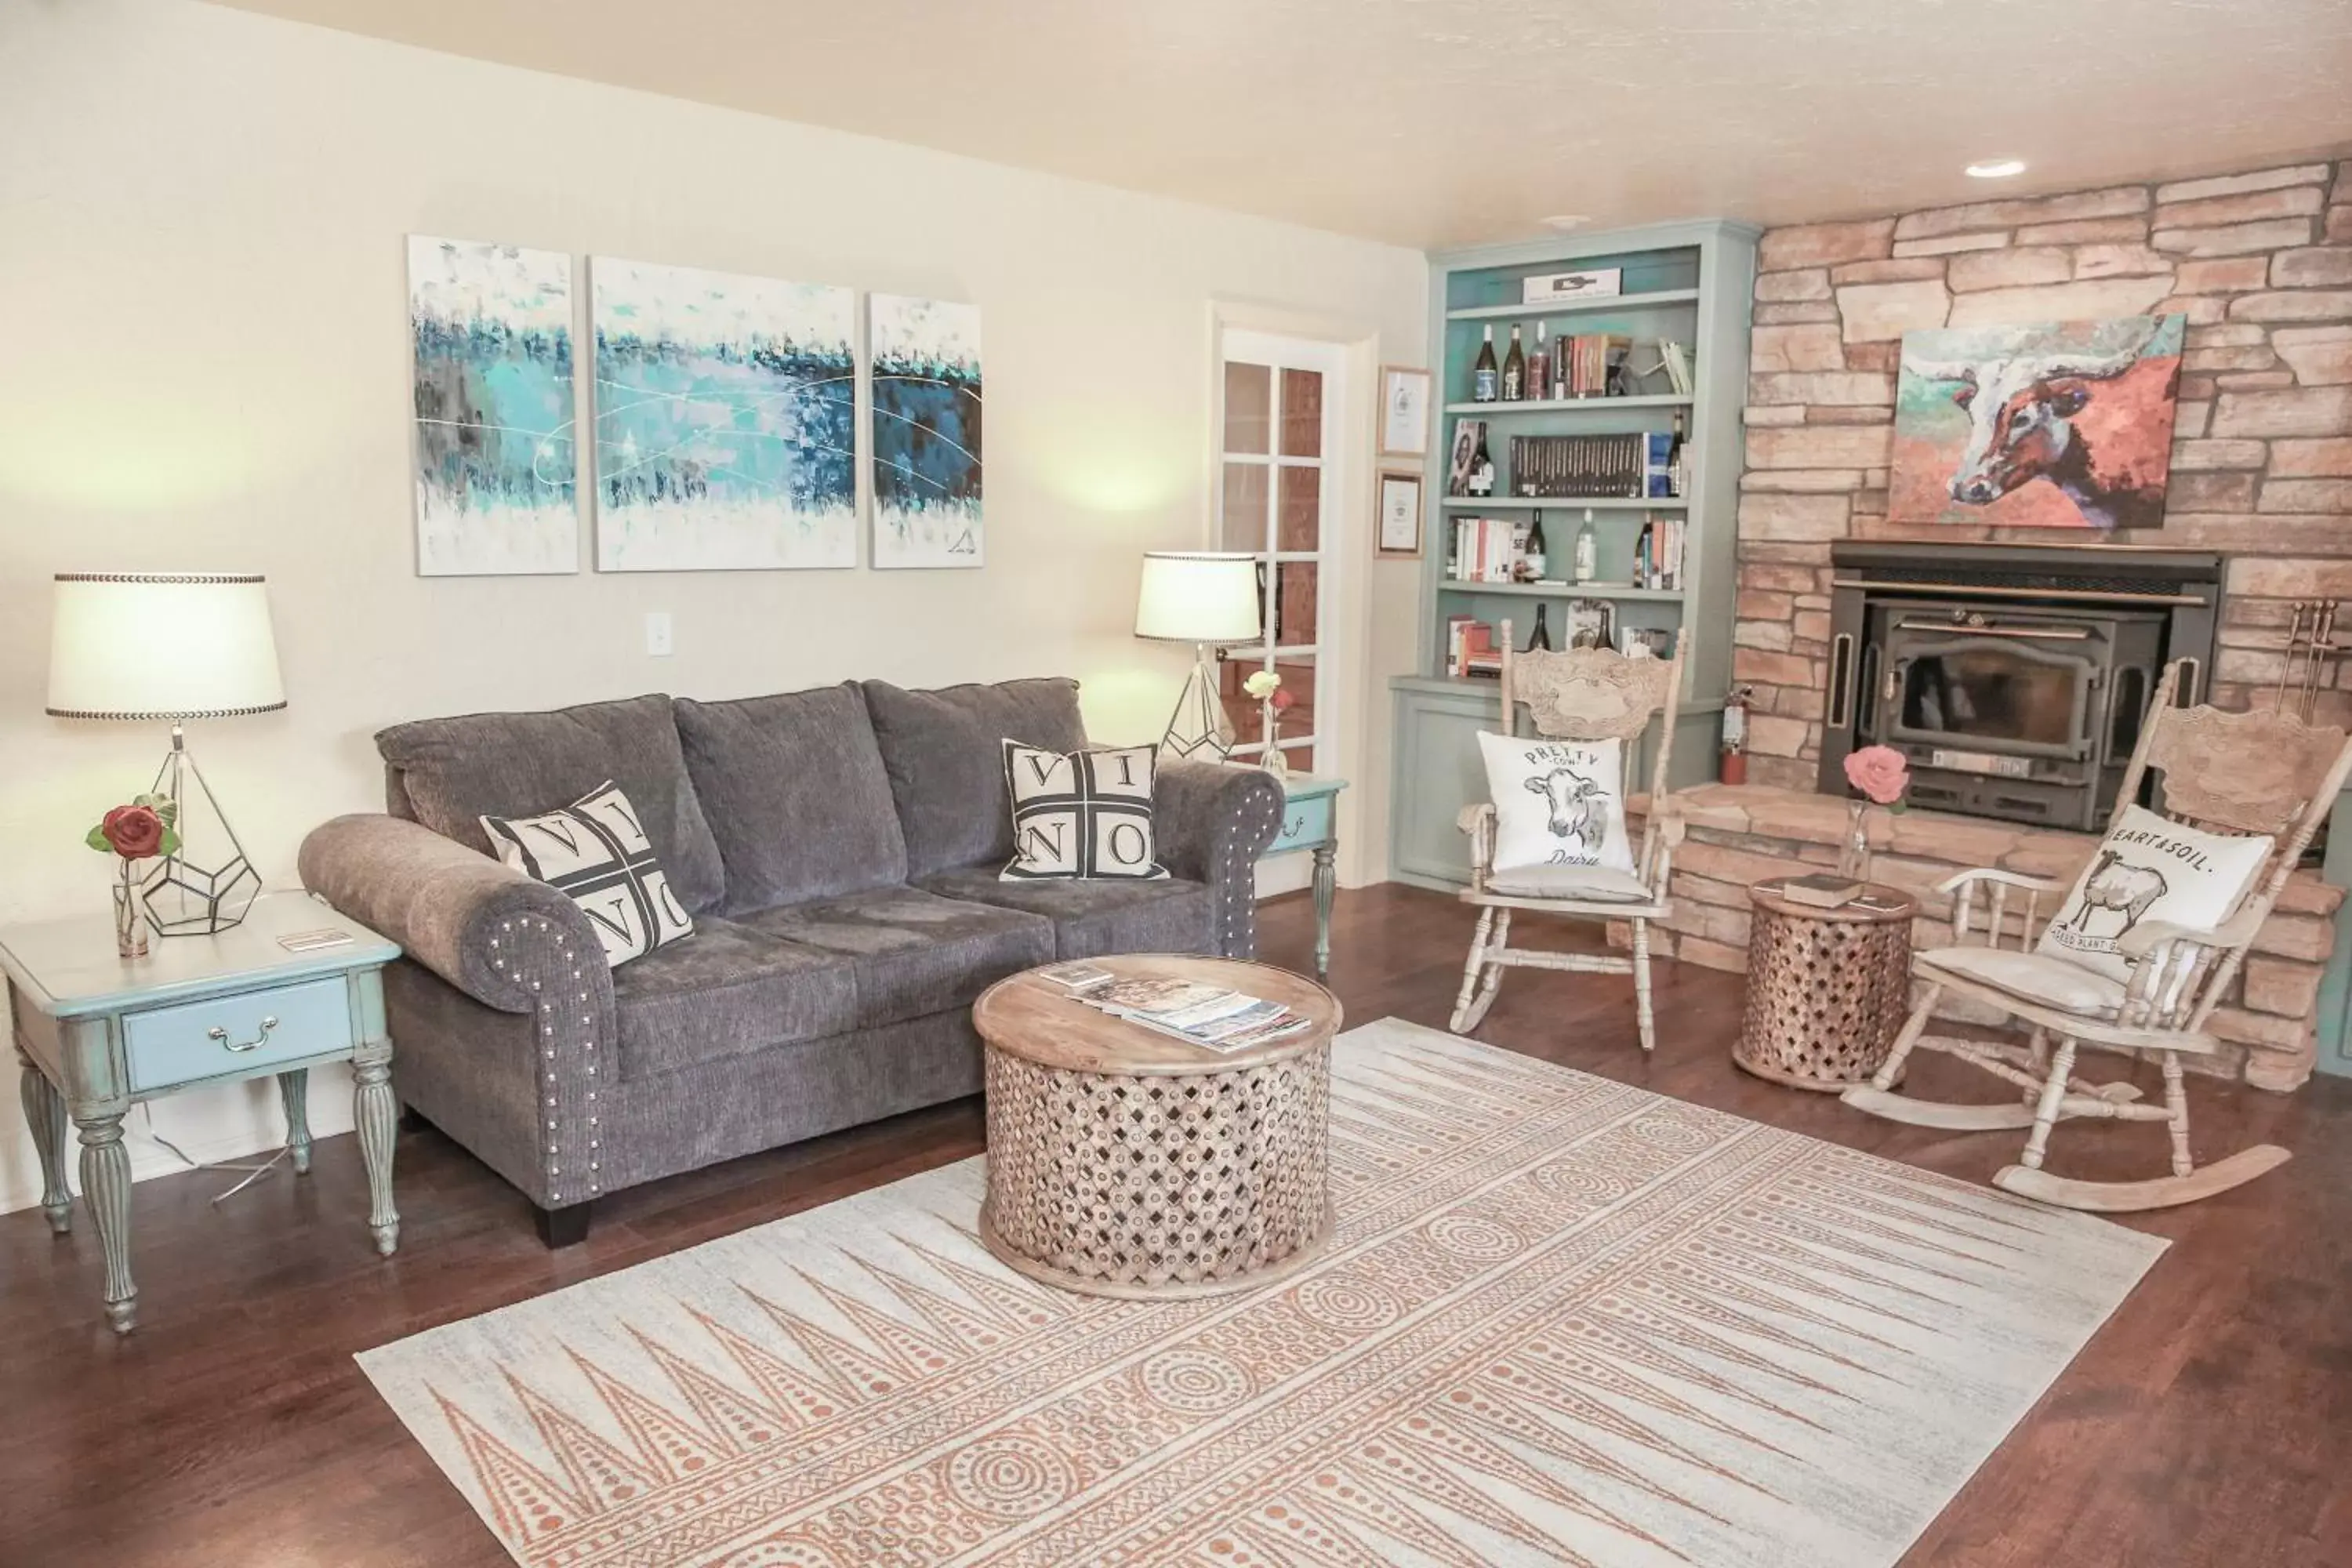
column 657, row 641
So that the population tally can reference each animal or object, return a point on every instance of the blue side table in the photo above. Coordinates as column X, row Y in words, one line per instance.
column 97, row 1033
column 1309, row 822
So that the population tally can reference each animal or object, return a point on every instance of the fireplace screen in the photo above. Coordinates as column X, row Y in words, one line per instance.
column 1995, row 694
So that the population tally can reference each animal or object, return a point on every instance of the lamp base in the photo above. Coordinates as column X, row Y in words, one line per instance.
column 184, row 898
column 1198, row 730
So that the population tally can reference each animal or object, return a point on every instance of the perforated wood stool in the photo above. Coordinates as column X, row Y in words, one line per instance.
column 1827, row 989
column 1125, row 1162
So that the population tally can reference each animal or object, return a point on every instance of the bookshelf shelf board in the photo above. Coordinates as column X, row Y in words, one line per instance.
column 1562, row 503
column 1566, row 591
column 1571, row 405
column 1575, row 307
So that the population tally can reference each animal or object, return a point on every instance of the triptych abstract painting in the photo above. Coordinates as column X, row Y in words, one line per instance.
column 724, row 409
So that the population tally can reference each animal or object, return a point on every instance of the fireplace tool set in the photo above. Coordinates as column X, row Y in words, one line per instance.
column 2311, row 649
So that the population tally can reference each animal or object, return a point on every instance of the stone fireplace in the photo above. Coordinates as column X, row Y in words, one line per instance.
column 2258, row 506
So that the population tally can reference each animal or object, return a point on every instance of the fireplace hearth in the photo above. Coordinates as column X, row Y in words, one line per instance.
column 2012, row 678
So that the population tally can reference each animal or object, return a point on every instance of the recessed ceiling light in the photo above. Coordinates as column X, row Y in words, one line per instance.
column 1565, row 220
column 1996, row 169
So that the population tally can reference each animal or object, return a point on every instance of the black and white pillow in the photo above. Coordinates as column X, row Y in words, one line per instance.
column 597, row 851
column 1080, row 814
column 2150, row 869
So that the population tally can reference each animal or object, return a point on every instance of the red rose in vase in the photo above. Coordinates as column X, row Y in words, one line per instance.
column 134, row 832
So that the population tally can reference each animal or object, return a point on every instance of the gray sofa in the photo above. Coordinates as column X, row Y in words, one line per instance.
column 838, row 850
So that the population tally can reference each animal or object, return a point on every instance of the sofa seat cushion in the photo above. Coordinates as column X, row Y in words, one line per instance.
column 723, row 991
column 1095, row 917
column 794, row 790
column 913, row 951
column 944, row 751
column 449, row 773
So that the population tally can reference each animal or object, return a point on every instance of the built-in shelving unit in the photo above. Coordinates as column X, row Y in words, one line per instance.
column 1689, row 282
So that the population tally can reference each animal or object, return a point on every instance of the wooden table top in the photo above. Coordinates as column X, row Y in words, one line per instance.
column 1038, row 1021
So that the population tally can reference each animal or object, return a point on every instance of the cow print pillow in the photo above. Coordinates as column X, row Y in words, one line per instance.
column 2150, row 869
column 1556, row 803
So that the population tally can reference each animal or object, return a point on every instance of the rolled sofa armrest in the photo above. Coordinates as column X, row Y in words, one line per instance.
column 1212, row 820
column 500, row 937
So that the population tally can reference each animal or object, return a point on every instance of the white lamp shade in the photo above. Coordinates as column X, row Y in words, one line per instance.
column 176, row 645
column 1198, row 597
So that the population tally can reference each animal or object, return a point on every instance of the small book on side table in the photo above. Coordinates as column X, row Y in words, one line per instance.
column 1822, row 890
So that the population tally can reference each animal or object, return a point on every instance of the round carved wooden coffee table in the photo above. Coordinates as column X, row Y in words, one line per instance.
column 1827, row 989
column 1126, row 1162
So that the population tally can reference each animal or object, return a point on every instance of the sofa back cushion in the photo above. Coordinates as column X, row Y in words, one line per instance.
column 449, row 773
column 796, row 796
column 944, row 752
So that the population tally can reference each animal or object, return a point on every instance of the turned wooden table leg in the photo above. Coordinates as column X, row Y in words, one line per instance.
column 1327, row 885
column 45, row 1117
column 106, row 1187
column 377, row 1114
column 294, row 1091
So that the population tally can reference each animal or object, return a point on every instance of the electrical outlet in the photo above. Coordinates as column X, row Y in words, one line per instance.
column 657, row 633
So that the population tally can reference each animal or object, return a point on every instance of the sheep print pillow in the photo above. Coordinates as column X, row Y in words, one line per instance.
column 1556, row 803
column 2150, row 869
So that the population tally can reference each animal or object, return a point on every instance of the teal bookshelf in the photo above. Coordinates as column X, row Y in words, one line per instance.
column 1687, row 281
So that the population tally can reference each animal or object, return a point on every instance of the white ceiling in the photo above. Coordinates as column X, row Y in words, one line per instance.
column 1438, row 123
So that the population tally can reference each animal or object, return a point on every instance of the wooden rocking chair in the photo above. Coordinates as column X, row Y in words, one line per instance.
column 2240, row 774
column 1584, row 694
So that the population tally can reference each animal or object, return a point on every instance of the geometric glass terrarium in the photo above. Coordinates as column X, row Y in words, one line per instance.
column 154, row 646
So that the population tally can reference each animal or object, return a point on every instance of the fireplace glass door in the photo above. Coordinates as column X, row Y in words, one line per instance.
column 1970, row 691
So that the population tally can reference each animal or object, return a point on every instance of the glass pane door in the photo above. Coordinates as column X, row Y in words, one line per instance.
column 1274, row 502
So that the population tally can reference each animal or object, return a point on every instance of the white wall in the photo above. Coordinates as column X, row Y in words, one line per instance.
column 202, row 329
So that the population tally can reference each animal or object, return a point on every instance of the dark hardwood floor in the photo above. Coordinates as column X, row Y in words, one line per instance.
column 2206, row 1424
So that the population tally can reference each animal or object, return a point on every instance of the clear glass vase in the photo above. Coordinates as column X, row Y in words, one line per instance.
column 1272, row 760
column 130, row 914
column 1854, row 852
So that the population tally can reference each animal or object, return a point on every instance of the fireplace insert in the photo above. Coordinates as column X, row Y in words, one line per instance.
column 2012, row 678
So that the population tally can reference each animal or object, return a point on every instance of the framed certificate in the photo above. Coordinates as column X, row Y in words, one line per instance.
column 1405, row 412
column 1400, row 520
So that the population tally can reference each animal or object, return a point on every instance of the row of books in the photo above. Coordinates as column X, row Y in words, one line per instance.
column 1658, row 553
column 1471, row 648
column 1489, row 548
column 1637, row 465
column 1585, row 362
column 1206, row 1015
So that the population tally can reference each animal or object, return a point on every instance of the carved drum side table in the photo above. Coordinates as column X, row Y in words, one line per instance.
column 1828, row 989
column 1126, row 1162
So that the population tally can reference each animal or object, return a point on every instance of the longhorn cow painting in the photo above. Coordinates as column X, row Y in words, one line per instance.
column 2063, row 425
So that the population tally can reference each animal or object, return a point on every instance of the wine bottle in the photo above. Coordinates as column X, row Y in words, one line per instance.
column 1674, row 457
column 1540, row 362
column 1588, row 550
column 1645, row 557
column 1535, row 556
column 1540, row 639
column 1515, row 369
column 1481, row 468
column 1484, row 375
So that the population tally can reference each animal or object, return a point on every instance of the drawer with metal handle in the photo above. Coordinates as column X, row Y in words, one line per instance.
column 197, row 1040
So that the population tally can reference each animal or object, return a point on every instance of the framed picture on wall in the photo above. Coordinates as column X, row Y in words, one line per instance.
column 1405, row 412
column 1400, row 520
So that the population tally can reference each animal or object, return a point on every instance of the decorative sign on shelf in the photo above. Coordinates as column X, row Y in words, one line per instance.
column 927, row 432
column 1549, row 288
column 726, row 421
column 490, row 332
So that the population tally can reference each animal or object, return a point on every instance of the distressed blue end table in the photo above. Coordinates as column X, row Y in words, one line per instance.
column 1310, row 822
column 97, row 1033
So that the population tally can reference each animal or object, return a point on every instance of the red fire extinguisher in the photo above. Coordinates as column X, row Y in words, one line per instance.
column 1735, row 735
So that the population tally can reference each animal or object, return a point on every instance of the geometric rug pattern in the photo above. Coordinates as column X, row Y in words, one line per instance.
column 1563, row 1321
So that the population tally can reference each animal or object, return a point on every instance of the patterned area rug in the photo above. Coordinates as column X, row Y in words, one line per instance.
column 1563, row 1322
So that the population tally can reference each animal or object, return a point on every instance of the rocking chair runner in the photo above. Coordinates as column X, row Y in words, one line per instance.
column 1582, row 694
column 2240, row 774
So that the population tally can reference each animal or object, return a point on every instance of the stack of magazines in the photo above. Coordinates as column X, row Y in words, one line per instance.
column 1207, row 1016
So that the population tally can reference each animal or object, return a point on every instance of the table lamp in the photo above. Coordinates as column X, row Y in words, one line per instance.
column 175, row 647
column 1209, row 599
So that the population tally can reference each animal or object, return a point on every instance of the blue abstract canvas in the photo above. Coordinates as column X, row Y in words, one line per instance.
column 494, row 454
column 726, row 421
column 927, row 433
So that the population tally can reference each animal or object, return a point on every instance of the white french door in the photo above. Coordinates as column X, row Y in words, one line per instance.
column 1279, row 456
